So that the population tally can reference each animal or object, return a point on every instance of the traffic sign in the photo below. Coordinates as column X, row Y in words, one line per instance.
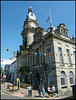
column 4, row 76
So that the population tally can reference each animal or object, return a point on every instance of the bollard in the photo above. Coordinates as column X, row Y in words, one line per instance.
column 18, row 83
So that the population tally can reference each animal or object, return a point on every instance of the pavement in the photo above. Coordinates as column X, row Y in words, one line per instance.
column 24, row 93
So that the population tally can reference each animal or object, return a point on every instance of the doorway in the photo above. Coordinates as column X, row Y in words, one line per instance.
column 38, row 79
column 25, row 78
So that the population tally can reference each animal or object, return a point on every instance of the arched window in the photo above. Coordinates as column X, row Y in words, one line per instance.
column 63, row 78
column 71, row 77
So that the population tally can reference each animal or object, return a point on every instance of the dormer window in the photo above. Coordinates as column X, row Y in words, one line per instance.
column 62, row 29
column 64, row 32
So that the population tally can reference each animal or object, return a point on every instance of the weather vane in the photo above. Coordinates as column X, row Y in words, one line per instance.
column 30, row 4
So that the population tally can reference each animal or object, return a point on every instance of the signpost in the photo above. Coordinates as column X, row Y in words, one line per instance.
column 4, row 76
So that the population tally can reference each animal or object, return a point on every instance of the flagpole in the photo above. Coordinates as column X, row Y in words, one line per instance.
column 50, row 18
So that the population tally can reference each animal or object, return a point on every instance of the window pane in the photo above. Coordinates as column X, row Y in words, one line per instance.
column 71, row 81
column 71, row 77
column 49, row 57
column 63, row 78
column 68, row 56
column 62, row 81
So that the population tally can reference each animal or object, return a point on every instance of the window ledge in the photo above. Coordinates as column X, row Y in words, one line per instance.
column 63, row 86
column 69, row 65
column 61, row 64
column 72, row 84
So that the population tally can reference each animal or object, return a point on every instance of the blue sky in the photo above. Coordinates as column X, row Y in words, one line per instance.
column 13, row 14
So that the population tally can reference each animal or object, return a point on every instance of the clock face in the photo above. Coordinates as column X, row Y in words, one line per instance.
column 32, row 16
column 33, row 24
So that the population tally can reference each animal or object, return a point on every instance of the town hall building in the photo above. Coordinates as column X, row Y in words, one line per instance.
column 46, row 57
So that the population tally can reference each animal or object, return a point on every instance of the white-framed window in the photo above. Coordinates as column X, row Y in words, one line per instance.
column 63, row 78
column 49, row 57
column 71, row 77
column 68, row 57
column 74, row 55
column 60, row 55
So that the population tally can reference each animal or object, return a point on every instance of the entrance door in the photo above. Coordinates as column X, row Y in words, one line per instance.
column 38, row 79
column 25, row 78
column 50, row 79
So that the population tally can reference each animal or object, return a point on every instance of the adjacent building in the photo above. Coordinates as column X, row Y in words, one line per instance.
column 46, row 57
column 10, row 70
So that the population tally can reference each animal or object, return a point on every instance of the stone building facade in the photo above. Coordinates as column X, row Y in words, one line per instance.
column 13, row 71
column 46, row 57
column 9, row 69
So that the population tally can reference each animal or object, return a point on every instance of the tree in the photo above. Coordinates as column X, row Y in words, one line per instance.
column 1, row 69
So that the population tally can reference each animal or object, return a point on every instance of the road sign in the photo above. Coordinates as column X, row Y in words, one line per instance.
column 4, row 76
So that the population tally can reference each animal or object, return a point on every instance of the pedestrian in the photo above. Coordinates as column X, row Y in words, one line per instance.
column 39, row 90
column 43, row 91
column 48, row 91
column 29, row 90
column 22, row 80
column 53, row 89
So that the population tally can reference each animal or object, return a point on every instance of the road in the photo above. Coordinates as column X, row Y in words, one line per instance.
column 7, row 96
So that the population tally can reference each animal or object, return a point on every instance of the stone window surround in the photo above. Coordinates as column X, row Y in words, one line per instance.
column 62, row 86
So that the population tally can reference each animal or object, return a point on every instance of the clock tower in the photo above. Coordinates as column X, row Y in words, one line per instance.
column 30, row 24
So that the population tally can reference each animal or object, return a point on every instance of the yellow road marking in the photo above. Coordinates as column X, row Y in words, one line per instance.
column 4, row 93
